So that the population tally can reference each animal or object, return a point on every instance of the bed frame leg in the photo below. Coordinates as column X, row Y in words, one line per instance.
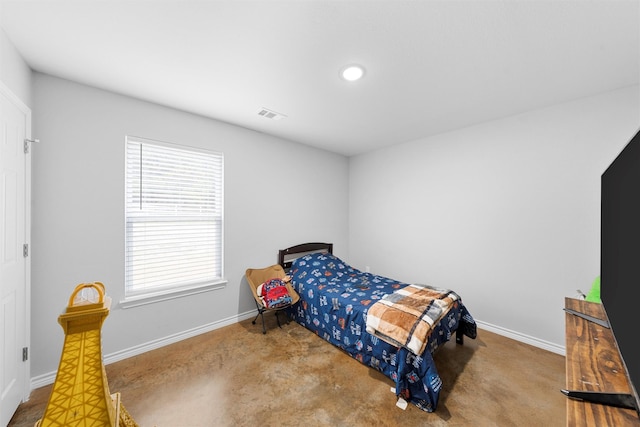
column 459, row 336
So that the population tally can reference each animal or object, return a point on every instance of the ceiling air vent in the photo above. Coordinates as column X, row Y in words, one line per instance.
column 270, row 114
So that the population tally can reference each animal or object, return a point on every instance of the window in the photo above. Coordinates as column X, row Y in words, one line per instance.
column 173, row 239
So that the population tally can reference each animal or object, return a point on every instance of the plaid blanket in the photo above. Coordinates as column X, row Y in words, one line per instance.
column 405, row 318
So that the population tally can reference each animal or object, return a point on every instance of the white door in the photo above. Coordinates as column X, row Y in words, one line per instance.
column 15, row 121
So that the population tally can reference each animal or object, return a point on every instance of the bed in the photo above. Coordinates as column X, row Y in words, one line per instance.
column 335, row 300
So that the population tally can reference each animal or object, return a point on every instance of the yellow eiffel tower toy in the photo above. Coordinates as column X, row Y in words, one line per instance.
column 80, row 396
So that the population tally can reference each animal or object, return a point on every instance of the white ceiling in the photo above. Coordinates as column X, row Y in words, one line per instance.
column 431, row 66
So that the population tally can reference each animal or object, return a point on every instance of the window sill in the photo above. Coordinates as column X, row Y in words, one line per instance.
column 152, row 298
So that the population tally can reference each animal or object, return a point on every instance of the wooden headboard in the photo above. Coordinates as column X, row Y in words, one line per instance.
column 286, row 256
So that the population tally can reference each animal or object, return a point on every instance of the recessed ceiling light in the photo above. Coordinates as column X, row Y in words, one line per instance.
column 351, row 73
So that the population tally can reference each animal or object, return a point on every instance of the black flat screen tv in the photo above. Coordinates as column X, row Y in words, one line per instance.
column 620, row 256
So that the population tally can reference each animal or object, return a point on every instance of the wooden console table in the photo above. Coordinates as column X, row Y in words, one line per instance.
column 594, row 364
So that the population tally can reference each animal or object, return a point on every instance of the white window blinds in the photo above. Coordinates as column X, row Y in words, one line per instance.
column 173, row 217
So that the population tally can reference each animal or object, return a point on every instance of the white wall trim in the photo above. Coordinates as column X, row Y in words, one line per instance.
column 517, row 336
column 9, row 94
column 171, row 294
column 50, row 377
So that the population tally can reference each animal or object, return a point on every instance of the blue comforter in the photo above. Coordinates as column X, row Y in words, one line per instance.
column 334, row 299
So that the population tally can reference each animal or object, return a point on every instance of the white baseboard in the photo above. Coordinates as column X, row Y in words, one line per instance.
column 50, row 377
column 517, row 336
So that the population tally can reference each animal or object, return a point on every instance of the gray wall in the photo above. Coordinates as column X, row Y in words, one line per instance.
column 277, row 194
column 15, row 74
column 507, row 212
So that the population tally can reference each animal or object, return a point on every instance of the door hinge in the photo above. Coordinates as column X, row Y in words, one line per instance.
column 28, row 141
column 25, row 354
column 25, row 250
